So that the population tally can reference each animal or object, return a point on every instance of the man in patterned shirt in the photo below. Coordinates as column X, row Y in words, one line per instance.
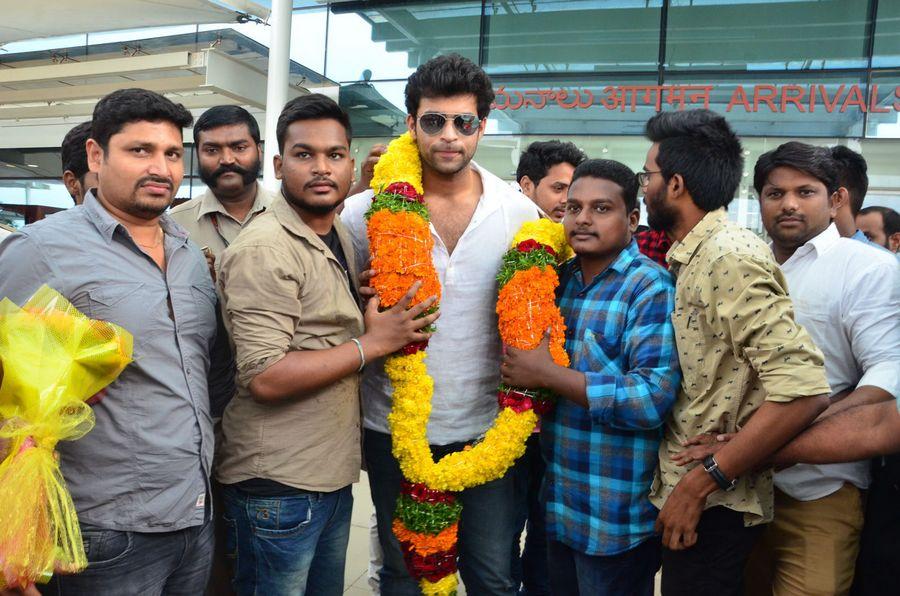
column 601, row 441
column 749, row 368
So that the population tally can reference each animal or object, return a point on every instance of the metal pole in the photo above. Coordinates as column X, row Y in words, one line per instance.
column 277, row 84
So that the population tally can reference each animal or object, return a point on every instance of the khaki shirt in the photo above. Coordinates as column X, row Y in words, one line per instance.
column 283, row 290
column 209, row 224
column 738, row 345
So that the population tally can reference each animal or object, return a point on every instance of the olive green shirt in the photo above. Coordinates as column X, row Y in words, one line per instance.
column 209, row 224
column 738, row 345
column 282, row 290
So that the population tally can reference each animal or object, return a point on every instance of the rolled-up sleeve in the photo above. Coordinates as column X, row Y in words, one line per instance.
column 262, row 305
column 756, row 316
column 640, row 398
column 872, row 314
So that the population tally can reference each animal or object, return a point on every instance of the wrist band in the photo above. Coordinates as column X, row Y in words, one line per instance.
column 362, row 356
column 712, row 468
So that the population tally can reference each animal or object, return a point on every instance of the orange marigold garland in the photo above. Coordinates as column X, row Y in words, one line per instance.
column 427, row 512
column 526, row 307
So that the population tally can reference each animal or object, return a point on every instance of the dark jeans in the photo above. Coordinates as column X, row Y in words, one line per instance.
column 486, row 528
column 530, row 569
column 573, row 573
column 127, row 563
column 715, row 565
column 288, row 546
column 878, row 564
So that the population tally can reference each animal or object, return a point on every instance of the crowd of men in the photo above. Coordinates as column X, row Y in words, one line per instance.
column 702, row 357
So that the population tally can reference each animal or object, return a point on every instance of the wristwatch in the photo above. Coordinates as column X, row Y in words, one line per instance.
column 712, row 468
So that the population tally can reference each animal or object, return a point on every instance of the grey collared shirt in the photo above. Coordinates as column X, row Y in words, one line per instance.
column 145, row 466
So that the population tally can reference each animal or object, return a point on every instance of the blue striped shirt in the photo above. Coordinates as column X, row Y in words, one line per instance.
column 601, row 460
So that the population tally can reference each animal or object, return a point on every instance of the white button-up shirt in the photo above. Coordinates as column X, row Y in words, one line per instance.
column 464, row 354
column 847, row 295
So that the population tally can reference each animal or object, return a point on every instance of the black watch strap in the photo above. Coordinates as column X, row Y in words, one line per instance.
column 712, row 468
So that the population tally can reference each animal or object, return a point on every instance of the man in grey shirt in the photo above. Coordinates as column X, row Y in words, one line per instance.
column 140, row 478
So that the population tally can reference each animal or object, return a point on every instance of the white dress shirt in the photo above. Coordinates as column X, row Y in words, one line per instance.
column 464, row 354
column 847, row 295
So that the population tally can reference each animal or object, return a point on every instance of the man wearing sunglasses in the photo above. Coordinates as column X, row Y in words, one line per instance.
column 474, row 217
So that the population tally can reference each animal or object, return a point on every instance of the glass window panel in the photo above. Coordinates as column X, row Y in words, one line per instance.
column 767, row 34
column 755, row 105
column 30, row 163
column 884, row 113
column 582, row 105
column 887, row 35
column 388, row 40
column 308, row 35
column 376, row 109
column 572, row 36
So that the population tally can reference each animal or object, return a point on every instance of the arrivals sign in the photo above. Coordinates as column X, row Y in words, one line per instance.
column 774, row 98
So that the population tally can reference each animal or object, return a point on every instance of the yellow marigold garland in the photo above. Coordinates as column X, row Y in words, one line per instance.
column 401, row 244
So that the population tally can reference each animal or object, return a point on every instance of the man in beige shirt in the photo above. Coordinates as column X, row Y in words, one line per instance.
column 229, row 154
column 291, row 447
column 748, row 367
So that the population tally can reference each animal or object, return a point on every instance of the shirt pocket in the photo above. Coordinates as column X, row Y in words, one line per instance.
column 119, row 303
column 596, row 352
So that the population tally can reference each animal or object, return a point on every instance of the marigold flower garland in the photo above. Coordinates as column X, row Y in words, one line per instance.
column 427, row 515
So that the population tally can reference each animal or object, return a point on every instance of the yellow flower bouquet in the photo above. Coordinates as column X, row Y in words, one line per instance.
column 54, row 358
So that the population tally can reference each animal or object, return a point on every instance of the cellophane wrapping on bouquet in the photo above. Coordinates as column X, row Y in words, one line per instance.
column 54, row 358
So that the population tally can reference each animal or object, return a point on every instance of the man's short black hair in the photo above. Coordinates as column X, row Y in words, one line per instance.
column 125, row 106
column 614, row 171
column 889, row 218
column 540, row 156
column 809, row 159
column 852, row 175
column 73, row 152
column 314, row 106
column 701, row 146
column 217, row 116
column 446, row 76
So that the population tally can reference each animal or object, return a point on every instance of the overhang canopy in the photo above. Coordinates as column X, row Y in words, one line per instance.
column 31, row 20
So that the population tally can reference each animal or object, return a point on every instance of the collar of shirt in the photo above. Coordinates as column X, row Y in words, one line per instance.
column 107, row 225
column 682, row 251
column 620, row 265
column 493, row 189
column 293, row 223
column 210, row 204
column 821, row 244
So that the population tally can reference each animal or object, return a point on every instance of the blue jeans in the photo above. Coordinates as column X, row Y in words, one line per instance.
column 630, row 573
column 530, row 569
column 287, row 546
column 486, row 528
column 126, row 563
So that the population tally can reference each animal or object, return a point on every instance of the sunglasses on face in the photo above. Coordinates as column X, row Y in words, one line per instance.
column 465, row 124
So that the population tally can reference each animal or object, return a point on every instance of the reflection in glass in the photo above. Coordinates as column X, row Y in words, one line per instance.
column 887, row 36
column 571, row 36
column 884, row 115
column 767, row 34
column 391, row 39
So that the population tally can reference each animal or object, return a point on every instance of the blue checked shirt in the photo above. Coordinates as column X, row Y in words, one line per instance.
column 601, row 460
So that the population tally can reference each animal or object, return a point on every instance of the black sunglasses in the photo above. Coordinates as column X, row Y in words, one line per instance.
column 465, row 124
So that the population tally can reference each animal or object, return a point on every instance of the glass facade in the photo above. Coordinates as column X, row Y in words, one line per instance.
column 791, row 68
column 590, row 71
